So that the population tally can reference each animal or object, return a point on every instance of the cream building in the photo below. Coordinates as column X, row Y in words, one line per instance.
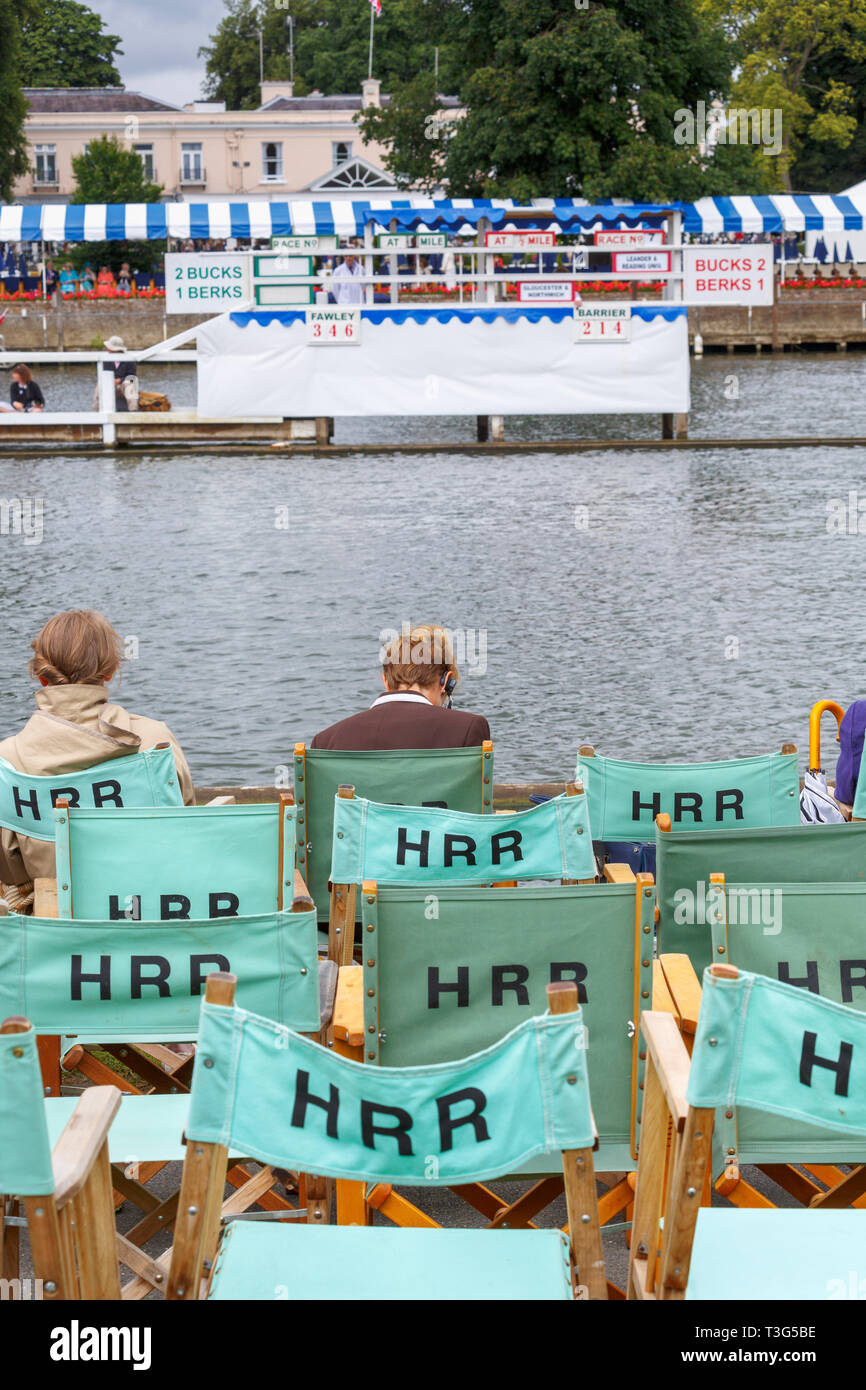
column 290, row 146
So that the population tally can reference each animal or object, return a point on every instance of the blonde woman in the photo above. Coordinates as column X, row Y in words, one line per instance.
column 75, row 725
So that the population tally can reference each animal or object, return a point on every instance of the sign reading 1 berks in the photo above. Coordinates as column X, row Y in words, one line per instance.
column 204, row 283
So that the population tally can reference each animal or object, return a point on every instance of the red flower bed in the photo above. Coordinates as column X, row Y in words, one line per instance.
column 819, row 283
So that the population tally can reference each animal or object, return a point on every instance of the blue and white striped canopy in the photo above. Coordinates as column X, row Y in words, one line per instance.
column 794, row 212
column 155, row 221
column 200, row 221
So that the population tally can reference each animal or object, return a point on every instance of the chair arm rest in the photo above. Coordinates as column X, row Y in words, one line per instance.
column 668, row 1055
column 618, row 873
column 222, row 801
column 685, row 989
column 301, row 900
column 348, row 1017
column 83, row 1136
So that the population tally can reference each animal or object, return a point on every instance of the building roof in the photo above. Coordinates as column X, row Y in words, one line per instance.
column 77, row 99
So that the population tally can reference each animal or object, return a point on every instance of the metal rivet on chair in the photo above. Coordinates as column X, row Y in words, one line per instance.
column 729, row 1114
column 713, row 1042
column 644, row 994
column 731, row 1152
column 585, row 1219
column 65, row 887
column 18, row 1052
column 580, row 830
column 721, row 950
column 691, row 1192
column 647, row 892
column 40, row 1211
column 303, row 970
column 572, row 1080
column 51, row 1287
column 371, row 1029
column 371, row 963
column 371, row 993
column 646, row 929
column 339, row 835
column 371, row 900
column 208, row 1061
column 192, row 1211
column 370, row 927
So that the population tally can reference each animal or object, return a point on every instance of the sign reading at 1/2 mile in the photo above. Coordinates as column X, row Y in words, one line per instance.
column 602, row 323
column 202, row 283
column 333, row 327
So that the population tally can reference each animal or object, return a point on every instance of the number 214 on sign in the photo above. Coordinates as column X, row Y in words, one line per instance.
column 602, row 323
column 327, row 327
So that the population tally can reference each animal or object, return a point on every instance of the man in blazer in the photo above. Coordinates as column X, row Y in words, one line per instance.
column 419, row 675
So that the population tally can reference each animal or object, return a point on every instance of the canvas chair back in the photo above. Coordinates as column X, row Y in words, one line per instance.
column 761, row 1047
column 427, row 845
column 449, row 971
column 174, row 864
column 145, row 980
column 858, row 811
column 804, row 935
column 289, row 1103
column 67, row 1195
column 460, row 779
column 779, row 854
column 625, row 797
column 143, row 779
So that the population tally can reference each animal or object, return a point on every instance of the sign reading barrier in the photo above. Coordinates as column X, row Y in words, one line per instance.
column 407, row 844
column 334, row 327
column 737, row 274
column 201, row 283
column 175, row 864
column 282, row 1099
column 626, row 797
column 143, row 779
column 104, row 981
column 602, row 323
column 448, row 971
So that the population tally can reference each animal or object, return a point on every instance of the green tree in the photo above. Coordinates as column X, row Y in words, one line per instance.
column 14, row 156
column 565, row 101
column 331, row 45
column 790, row 55
column 826, row 166
column 65, row 46
column 109, row 172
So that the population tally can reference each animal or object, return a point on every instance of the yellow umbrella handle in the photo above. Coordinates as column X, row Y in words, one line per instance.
column 815, row 729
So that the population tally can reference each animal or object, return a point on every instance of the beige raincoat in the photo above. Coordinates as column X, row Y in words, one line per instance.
column 74, row 727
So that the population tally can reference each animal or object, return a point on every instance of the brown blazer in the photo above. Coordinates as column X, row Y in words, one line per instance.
column 400, row 723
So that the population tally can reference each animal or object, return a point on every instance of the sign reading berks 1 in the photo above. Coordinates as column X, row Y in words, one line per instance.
column 722, row 274
column 202, row 282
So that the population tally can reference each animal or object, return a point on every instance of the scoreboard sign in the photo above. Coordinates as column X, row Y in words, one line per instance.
column 641, row 262
column 520, row 241
column 629, row 240
column 602, row 323
column 721, row 274
column 333, row 327
column 202, row 283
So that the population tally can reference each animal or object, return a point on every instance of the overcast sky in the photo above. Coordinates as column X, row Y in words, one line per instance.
column 160, row 43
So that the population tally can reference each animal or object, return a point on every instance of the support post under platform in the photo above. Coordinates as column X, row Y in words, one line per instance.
column 675, row 426
column 324, row 429
column 490, row 429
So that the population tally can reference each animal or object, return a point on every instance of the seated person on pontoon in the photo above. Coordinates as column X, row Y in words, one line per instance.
column 851, row 736
column 419, row 675
column 75, row 726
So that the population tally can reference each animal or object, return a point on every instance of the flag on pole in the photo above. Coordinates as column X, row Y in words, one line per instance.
column 377, row 6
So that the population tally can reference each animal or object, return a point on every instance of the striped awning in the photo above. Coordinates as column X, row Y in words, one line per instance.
column 820, row 212
column 783, row 212
column 156, row 221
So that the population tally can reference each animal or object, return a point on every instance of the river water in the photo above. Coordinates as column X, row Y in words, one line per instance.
column 680, row 604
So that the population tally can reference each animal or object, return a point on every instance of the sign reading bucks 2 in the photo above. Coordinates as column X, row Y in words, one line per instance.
column 202, row 283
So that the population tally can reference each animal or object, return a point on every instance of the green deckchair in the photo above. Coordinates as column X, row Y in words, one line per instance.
column 459, row 778
column 143, row 779
column 174, row 863
column 429, row 845
column 66, row 1194
column 762, row 1049
column 777, row 854
column 296, row 1105
column 625, row 797
column 128, row 980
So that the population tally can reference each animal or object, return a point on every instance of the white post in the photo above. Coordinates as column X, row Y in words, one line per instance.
column 107, row 402
column 673, row 289
column 368, row 260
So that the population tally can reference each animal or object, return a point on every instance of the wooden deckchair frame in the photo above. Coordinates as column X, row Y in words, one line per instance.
column 72, row 1237
column 197, row 1228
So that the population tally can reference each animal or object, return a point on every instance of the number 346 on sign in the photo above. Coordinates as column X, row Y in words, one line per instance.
column 333, row 326
column 602, row 323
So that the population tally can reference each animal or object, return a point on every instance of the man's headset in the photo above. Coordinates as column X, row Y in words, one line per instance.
column 449, row 685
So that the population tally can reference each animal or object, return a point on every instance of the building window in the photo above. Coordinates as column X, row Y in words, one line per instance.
column 272, row 163
column 145, row 154
column 341, row 151
column 192, row 165
column 46, row 163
